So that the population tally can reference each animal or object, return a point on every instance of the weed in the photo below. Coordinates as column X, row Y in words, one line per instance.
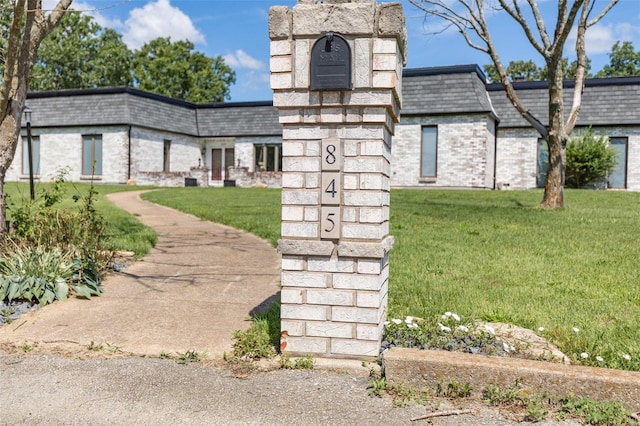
column 113, row 348
column 302, row 363
column 594, row 412
column 454, row 389
column 6, row 314
column 190, row 356
column 377, row 386
column 93, row 347
column 28, row 347
column 536, row 410
column 262, row 338
column 402, row 395
column 496, row 395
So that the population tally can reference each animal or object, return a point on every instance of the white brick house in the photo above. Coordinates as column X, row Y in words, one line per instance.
column 456, row 131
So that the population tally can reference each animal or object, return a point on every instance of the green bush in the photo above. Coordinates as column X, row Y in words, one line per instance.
column 52, row 251
column 589, row 159
column 45, row 275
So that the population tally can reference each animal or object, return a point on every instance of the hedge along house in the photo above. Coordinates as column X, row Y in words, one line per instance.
column 456, row 131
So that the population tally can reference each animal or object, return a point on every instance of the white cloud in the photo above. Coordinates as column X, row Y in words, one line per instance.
column 98, row 17
column 159, row 19
column 241, row 59
column 600, row 38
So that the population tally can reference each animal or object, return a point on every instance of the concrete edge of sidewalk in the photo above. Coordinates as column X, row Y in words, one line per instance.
column 427, row 368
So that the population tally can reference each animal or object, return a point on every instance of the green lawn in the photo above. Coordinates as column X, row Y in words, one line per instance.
column 494, row 256
column 124, row 231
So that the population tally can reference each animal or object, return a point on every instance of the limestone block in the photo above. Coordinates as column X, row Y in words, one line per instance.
column 349, row 214
column 355, row 347
column 364, row 232
column 281, row 81
column 304, row 197
column 302, row 63
column 383, row 79
column 305, row 132
column 312, row 180
column 280, row 47
column 293, row 180
column 364, row 198
column 303, row 312
column 329, row 329
column 312, row 148
column 288, row 116
column 357, row 315
column 291, row 296
column 293, row 263
column 356, row 282
column 362, row 62
column 385, row 46
column 295, row 99
column 371, row 215
column 306, row 345
column 331, row 98
column 299, row 230
column 293, row 213
column 280, row 63
column 280, row 22
column 384, row 62
column 360, row 132
column 365, row 250
column 331, row 115
column 371, row 299
column 364, row 165
column 303, row 247
column 343, row 18
column 330, row 297
column 350, row 182
column 373, row 181
column 330, row 264
column 292, row 148
column 301, row 164
column 369, row 332
column 391, row 23
column 374, row 115
column 304, row 279
column 311, row 214
column 369, row 266
column 292, row 328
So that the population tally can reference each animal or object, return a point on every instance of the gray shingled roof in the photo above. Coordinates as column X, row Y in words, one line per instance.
column 611, row 101
column 444, row 90
column 238, row 119
column 426, row 91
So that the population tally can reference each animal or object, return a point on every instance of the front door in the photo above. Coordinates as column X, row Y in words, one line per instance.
column 220, row 156
column 216, row 164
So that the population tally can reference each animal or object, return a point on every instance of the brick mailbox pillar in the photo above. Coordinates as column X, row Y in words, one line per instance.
column 336, row 72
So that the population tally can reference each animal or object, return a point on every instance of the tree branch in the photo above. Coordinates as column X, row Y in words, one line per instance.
column 517, row 16
column 600, row 15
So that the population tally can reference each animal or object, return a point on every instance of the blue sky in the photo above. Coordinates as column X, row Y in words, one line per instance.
column 237, row 30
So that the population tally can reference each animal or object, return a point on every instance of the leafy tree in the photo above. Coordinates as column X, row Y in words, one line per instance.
column 469, row 19
column 624, row 61
column 80, row 54
column 27, row 27
column 174, row 70
column 589, row 159
column 528, row 71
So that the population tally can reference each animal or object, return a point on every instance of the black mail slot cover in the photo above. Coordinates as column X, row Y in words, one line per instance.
column 331, row 63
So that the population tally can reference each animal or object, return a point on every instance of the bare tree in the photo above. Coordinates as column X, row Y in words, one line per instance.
column 28, row 26
column 469, row 17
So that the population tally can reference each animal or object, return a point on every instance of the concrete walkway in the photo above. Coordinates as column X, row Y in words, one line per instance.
column 195, row 288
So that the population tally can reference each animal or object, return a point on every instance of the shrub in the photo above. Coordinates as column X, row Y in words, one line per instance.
column 589, row 159
column 46, row 275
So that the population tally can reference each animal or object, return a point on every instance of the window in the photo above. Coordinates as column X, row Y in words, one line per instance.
column 429, row 152
column 618, row 176
column 166, row 156
column 92, row 155
column 35, row 154
column 543, row 163
column 268, row 158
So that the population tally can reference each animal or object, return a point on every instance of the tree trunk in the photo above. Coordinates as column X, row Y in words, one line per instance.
column 557, row 139
column 9, row 128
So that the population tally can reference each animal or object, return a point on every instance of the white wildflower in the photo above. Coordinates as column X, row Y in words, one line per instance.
column 456, row 317
column 505, row 347
column 627, row 357
column 576, row 329
column 408, row 320
column 599, row 358
column 396, row 321
column 513, row 348
column 584, row 355
column 541, row 329
column 412, row 325
column 489, row 329
column 463, row 328
column 447, row 314
column 444, row 328
column 386, row 323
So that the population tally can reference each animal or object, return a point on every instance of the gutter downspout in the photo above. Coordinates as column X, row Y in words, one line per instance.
column 495, row 156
